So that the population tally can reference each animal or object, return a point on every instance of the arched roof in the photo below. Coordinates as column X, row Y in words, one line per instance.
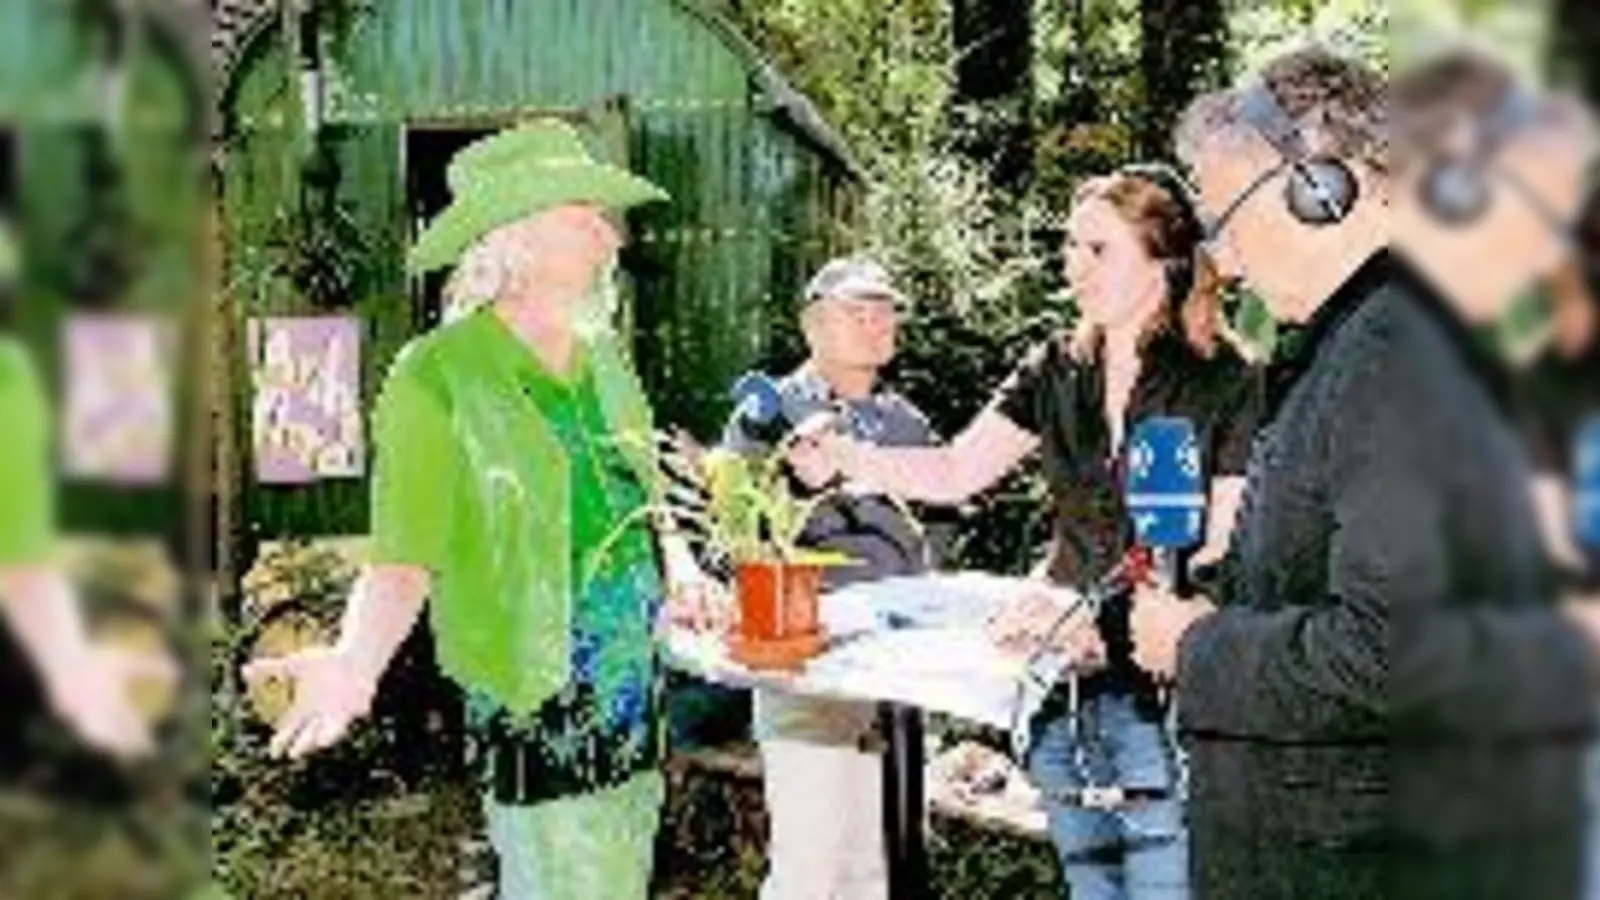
column 237, row 23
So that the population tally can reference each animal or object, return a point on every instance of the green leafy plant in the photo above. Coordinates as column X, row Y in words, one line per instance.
column 742, row 503
column 753, row 514
column 317, row 244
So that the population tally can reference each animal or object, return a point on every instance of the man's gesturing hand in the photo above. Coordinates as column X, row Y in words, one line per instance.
column 330, row 692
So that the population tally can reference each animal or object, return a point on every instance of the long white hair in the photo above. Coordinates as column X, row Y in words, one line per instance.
column 485, row 271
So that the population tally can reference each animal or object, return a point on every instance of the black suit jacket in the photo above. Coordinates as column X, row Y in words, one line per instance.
column 1387, row 702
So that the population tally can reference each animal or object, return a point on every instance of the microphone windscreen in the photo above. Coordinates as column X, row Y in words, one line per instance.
column 758, row 407
column 1586, row 485
column 1164, row 484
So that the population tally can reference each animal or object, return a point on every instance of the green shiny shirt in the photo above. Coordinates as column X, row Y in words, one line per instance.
column 474, row 483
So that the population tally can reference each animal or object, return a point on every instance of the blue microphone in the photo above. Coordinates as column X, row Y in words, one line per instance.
column 1164, row 490
column 1586, row 488
column 758, row 408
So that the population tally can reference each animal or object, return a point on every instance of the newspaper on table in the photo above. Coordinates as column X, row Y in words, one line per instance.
column 918, row 641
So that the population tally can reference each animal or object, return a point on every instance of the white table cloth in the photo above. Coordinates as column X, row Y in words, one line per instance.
column 915, row 641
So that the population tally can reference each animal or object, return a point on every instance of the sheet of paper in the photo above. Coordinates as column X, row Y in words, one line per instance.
column 918, row 641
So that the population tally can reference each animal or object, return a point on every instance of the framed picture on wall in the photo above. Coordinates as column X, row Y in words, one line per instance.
column 117, row 422
column 306, row 405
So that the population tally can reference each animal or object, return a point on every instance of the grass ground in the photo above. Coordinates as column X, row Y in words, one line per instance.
column 426, row 843
column 711, row 848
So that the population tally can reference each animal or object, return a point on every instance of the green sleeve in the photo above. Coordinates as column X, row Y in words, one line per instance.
column 414, row 474
column 27, row 489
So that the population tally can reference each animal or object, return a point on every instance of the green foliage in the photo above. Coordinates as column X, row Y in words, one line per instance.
column 1516, row 32
column 1254, row 323
column 752, row 514
column 1088, row 41
column 362, row 818
column 879, row 71
column 1262, row 29
column 965, row 253
column 343, row 823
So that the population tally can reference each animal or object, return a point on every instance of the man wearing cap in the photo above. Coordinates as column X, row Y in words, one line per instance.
column 513, row 455
column 822, row 786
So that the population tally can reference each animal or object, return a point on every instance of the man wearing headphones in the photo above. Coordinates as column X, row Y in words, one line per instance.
column 1370, row 694
column 1495, row 176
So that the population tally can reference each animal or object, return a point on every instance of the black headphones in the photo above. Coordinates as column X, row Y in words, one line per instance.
column 1321, row 189
column 1179, row 269
column 1458, row 189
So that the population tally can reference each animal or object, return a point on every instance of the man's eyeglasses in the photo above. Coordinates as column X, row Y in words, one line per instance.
column 1213, row 226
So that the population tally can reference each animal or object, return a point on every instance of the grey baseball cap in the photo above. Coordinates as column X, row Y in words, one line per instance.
column 852, row 277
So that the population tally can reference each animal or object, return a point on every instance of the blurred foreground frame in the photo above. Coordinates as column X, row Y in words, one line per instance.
column 104, row 113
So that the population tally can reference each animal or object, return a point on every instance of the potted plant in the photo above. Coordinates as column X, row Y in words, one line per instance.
column 751, row 521
column 754, row 519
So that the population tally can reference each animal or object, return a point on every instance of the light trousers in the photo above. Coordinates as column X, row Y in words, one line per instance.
column 824, row 798
column 599, row 845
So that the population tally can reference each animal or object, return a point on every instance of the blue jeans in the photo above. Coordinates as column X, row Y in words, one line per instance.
column 1138, row 852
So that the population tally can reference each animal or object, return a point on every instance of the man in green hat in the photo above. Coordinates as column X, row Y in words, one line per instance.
column 514, row 457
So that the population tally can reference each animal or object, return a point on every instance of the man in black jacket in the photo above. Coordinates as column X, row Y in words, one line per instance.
column 1381, row 698
column 1466, row 113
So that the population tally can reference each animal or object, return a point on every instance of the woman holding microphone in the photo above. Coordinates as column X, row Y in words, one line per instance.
column 1151, row 342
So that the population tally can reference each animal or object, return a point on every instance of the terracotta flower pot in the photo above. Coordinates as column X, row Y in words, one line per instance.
column 778, row 624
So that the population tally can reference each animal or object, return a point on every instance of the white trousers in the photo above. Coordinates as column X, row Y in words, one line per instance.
column 824, row 800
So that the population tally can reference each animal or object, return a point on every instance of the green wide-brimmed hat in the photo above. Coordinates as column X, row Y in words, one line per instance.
column 515, row 173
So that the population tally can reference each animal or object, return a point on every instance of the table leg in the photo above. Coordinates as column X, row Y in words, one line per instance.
column 904, row 806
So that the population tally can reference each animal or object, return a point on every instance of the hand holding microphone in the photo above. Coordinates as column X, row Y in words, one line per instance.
column 816, row 452
column 1585, row 608
column 1165, row 495
column 1586, row 496
column 811, row 446
column 1158, row 621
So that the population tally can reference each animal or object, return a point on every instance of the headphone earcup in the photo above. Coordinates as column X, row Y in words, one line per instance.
column 1321, row 191
column 1455, row 193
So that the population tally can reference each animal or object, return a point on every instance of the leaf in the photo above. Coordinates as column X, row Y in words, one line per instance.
column 826, row 558
column 609, row 543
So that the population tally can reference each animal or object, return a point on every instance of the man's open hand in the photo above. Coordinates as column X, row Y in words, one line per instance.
column 330, row 694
